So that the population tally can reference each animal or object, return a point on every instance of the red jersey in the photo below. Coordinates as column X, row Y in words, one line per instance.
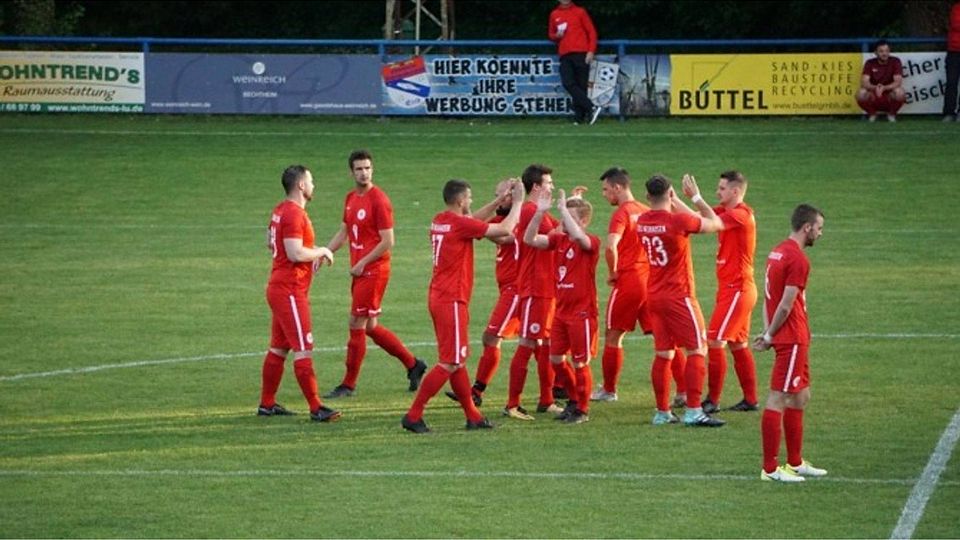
column 452, row 236
column 665, row 236
column 365, row 216
column 536, row 270
column 737, row 243
column 631, row 258
column 579, row 35
column 787, row 265
column 290, row 220
column 882, row 73
column 953, row 32
column 508, row 257
column 576, row 275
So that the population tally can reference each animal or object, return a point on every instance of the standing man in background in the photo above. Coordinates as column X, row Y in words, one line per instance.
column 881, row 84
column 571, row 28
column 788, row 332
column 290, row 240
column 950, row 112
column 368, row 228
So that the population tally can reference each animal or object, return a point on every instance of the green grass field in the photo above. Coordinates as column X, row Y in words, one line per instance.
column 133, row 323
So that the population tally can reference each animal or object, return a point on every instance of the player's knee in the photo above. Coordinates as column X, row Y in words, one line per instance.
column 715, row 344
column 279, row 352
column 491, row 340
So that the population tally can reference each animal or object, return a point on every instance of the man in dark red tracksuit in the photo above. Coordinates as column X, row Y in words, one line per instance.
column 881, row 84
column 571, row 28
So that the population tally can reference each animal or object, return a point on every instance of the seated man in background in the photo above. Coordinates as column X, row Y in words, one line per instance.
column 881, row 84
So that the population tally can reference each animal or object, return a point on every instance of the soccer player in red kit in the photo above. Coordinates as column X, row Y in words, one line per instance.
column 536, row 287
column 674, row 311
column 574, row 329
column 290, row 240
column 504, row 321
column 788, row 332
column 452, row 233
column 368, row 229
column 736, row 295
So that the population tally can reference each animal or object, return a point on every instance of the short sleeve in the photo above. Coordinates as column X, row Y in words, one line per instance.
column 383, row 212
column 734, row 218
column 294, row 224
column 796, row 272
column 472, row 228
column 688, row 223
column 618, row 222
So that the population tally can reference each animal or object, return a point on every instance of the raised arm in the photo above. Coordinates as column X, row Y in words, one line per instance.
column 571, row 224
column 531, row 237
column 502, row 233
column 709, row 221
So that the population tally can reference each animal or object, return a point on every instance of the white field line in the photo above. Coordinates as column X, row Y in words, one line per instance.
column 465, row 133
column 414, row 345
column 923, row 489
column 628, row 477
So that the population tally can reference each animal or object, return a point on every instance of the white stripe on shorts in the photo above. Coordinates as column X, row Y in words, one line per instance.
column 793, row 359
column 526, row 317
column 456, row 337
column 509, row 315
column 696, row 324
column 723, row 326
column 613, row 300
column 586, row 332
column 296, row 319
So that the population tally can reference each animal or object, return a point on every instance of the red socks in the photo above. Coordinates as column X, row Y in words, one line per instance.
column 584, row 384
column 429, row 386
column 612, row 366
column 566, row 378
column 303, row 369
column 389, row 342
column 746, row 372
column 660, row 377
column 717, row 372
column 678, row 367
column 770, row 435
column 460, row 382
column 545, row 374
column 489, row 362
column 793, row 429
column 270, row 378
column 693, row 376
column 356, row 350
column 518, row 374
column 792, row 420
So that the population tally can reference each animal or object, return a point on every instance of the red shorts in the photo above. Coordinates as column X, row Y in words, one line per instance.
column 791, row 368
column 504, row 320
column 367, row 292
column 290, row 321
column 731, row 315
column 578, row 337
column 677, row 322
column 450, row 323
column 536, row 317
column 628, row 305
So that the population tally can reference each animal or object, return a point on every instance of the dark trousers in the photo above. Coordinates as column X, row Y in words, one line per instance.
column 574, row 74
column 953, row 77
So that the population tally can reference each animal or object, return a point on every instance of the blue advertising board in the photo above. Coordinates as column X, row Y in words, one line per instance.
column 262, row 84
column 476, row 85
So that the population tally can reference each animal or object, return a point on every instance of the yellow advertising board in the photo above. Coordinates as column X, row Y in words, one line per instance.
column 764, row 84
column 54, row 81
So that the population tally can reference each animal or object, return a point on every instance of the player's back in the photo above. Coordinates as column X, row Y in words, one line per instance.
column 665, row 237
column 289, row 220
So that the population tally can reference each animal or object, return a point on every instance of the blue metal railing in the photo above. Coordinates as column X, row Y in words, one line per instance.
column 621, row 45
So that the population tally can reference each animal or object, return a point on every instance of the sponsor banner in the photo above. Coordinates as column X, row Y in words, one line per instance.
column 262, row 84
column 924, row 81
column 477, row 85
column 645, row 85
column 602, row 83
column 53, row 81
column 765, row 84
